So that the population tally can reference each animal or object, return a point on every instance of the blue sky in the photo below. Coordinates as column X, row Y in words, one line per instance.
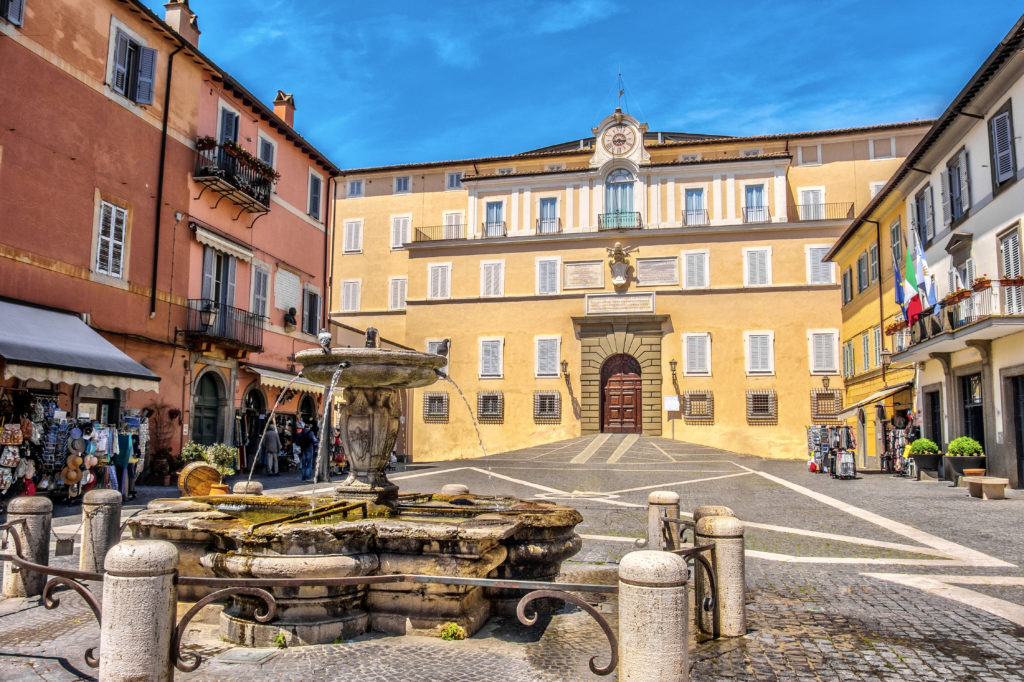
column 398, row 82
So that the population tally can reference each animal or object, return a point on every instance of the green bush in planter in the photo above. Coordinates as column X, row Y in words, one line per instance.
column 965, row 447
column 923, row 446
column 192, row 452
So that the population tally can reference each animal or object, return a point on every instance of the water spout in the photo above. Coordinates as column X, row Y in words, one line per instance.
column 270, row 419
column 476, row 427
column 325, row 434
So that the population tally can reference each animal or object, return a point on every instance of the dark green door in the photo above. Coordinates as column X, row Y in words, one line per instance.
column 206, row 427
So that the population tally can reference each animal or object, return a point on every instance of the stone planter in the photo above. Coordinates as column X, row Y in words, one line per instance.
column 953, row 467
column 927, row 462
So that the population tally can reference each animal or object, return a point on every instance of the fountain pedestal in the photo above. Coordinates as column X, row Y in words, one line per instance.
column 368, row 427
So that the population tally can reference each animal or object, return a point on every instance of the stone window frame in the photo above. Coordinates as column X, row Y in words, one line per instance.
column 831, row 416
column 766, row 417
column 435, row 416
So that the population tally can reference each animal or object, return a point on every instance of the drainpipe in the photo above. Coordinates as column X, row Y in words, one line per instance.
column 160, row 179
column 328, row 243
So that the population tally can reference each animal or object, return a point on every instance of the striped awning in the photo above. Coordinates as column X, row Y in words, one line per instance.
column 874, row 398
column 283, row 380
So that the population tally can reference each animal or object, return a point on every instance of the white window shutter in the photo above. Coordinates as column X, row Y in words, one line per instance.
column 912, row 214
column 929, row 195
column 103, row 247
column 952, row 280
column 547, row 357
column 947, row 215
column 397, row 294
column 758, row 356
column 823, row 347
column 757, row 266
column 965, row 179
column 1002, row 147
column 439, row 281
column 490, row 361
column 819, row 270
column 547, row 276
column 696, row 270
column 697, row 354
column 969, row 269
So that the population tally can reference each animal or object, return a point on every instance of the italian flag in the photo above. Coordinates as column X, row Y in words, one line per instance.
column 911, row 295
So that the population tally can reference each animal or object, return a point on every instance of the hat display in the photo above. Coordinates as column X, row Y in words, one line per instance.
column 70, row 475
column 75, row 432
column 74, row 461
column 87, row 432
column 76, row 444
column 88, row 478
column 91, row 461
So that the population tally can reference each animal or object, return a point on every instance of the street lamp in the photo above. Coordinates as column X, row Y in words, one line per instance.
column 672, row 365
column 565, row 369
column 207, row 315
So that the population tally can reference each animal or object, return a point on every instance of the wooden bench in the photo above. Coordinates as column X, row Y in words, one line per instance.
column 987, row 487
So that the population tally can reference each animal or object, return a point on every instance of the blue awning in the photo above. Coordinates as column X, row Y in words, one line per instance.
column 46, row 345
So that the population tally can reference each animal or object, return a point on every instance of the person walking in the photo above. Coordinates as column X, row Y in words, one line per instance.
column 271, row 449
column 306, row 440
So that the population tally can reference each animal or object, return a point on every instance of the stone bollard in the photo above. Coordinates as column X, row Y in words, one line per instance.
column 729, row 616
column 247, row 488
column 35, row 545
column 660, row 503
column 139, row 602
column 455, row 489
column 653, row 617
column 711, row 510
column 101, row 527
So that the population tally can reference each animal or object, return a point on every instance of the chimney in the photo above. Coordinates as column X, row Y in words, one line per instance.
column 182, row 19
column 284, row 107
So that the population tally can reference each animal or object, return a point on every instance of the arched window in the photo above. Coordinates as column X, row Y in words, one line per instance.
column 618, row 199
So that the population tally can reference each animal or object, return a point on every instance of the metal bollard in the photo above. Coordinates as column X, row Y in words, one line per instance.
column 653, row 617
column 139, row 602
column 37, row 513
column 247, row 488
column 101, row 527
column 660, row 504
column 729, row 616
column 455, row 489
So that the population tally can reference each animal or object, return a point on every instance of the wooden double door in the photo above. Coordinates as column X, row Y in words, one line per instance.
column 621, row 395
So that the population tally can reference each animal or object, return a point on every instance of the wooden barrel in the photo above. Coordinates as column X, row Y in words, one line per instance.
column 196, row 478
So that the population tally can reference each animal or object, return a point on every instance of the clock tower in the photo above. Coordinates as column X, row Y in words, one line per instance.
column 620, row 137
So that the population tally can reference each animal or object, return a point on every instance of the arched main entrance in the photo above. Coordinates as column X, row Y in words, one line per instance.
column 206, row 420
column 621, row 389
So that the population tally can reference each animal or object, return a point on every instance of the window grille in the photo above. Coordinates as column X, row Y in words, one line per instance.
column 762, row 407
column 547, row 406
column 699, row 407
column 435, row 408
column 826, row 405
column 490, row 407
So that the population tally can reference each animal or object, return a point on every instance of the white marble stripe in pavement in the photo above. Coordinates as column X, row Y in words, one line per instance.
column 623, row 448
column 589, row 451
column 843, row 560
column 940, row 586
column 917, row 549
column 675, row 483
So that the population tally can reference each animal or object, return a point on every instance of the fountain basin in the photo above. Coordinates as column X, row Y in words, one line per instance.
column 371, row 367
column 461, row 535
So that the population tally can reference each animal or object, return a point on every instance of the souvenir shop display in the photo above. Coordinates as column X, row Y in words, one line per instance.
column 831, row 450
column 900, row 432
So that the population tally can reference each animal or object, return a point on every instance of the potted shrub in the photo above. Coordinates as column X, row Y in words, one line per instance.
column 224, row 459
column 963, row 452
column 926, row 454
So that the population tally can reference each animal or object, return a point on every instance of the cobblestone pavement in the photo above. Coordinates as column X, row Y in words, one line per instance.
column 877, row 578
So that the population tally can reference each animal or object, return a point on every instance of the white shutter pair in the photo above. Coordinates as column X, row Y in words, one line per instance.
column 818, row 271
column 1009, row 255
column 353, row 237
column 547, row 359
column 698, row 354
column 759, row 353
column 490, row 358
column 696, row 265
column 110, row 248
column 438, row 286
column 396, row 298
column 351, row 295
column 492, row 279
column 547, row 276
column 823, row 352
column 261, row 280
column 758, row 267
column 399, row 232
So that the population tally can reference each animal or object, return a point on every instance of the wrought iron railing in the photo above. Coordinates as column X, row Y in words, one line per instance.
column 756, row 214
column 996, row 300
column 493, row 229
column 619, row 220
column 549, row 225
column 436, row 233
column 233, row 178
column 834, row 211
column 696, row 217
column 209, row 319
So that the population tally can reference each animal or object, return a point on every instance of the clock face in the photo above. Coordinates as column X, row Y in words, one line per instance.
column 619, row 139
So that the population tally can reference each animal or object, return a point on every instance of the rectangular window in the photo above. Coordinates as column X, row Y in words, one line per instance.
column 133, row 68
column 754, row 208
column 547, row 223
column 762, row 406
column 491, row 358
column 490, row 407
column 1010, row 267
column 846, row 361
column 311, row 312
column 922, row 215
column 506, row 171
column 812, row 204
column 689, row 157
column 260, row 289
column 809, row 155
column 397, row 287
column 494, row 225
column 437, row 347
column 757, row 266
column 896, row 242
column 877, row 333
column 760, row 352
column 865, row 342
column 400, row 231
column 267, row 150
column 699, row 407
column 847, row 286
column 453, row 180
column 956, row 188
column 454, row 225
column 315, row 183
column 353, row 237
column 751, row 152
column 823, row 351
column 556, row 166
column 547, row 406
column 826, row 405
column 492, row 278
column 439, row 280
column 657, row 271
column 695, row 269
column 819, row 271
column 403, row 184
column 882, row 147
column 873, row 262
column 547, row 276
column 435, row 408
column 876, row 187
column 1001, row 149
column 351, row 292
column 862, row 272
column 355, row 188
column 110, row 245
column 694, row 211
column 697, row 354
column 13, row 11
column 547, row 356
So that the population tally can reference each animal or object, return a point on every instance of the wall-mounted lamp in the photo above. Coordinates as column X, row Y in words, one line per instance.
column 178, row 215
column 673, row 365
column 825, row 382
column 565, row 369
column 207, row 315
column 886, row 358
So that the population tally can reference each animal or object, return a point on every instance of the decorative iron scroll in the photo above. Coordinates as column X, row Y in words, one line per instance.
column 195, row 659
column 51, row 602
column 573, row 599
column 697, row 555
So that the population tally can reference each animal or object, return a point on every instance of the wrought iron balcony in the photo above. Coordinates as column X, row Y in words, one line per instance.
column 835, row 211
column 436, row 233
column 696, row 218
column 493, row 229
column 222, row 171
column 756, row 214
column 620, row 220
column 224, row 324
column 549, row 225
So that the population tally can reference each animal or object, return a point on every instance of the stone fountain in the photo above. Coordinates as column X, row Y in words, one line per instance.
column 366, row 528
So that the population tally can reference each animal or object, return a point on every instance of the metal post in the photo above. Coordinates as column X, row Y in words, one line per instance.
column 101, row 527
column 139, row 602
column 729, row 616
column 660, row 504
column 653, row 617
column 34, row 534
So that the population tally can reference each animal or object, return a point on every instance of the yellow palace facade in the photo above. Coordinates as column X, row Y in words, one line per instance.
column 629, row 281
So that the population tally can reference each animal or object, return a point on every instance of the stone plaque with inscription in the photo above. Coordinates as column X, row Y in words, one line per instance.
column 620, row 304
column 657, row 271
column 584, row 275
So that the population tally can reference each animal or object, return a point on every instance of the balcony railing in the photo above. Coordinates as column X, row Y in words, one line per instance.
column 493, row 229
column 696, row 218
column 842, row 210
column 998, row 300
column 620, row 220
column 549, row 225
column 226, row 325
column 435, row 233
column 231, row 177
column 756, row 214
